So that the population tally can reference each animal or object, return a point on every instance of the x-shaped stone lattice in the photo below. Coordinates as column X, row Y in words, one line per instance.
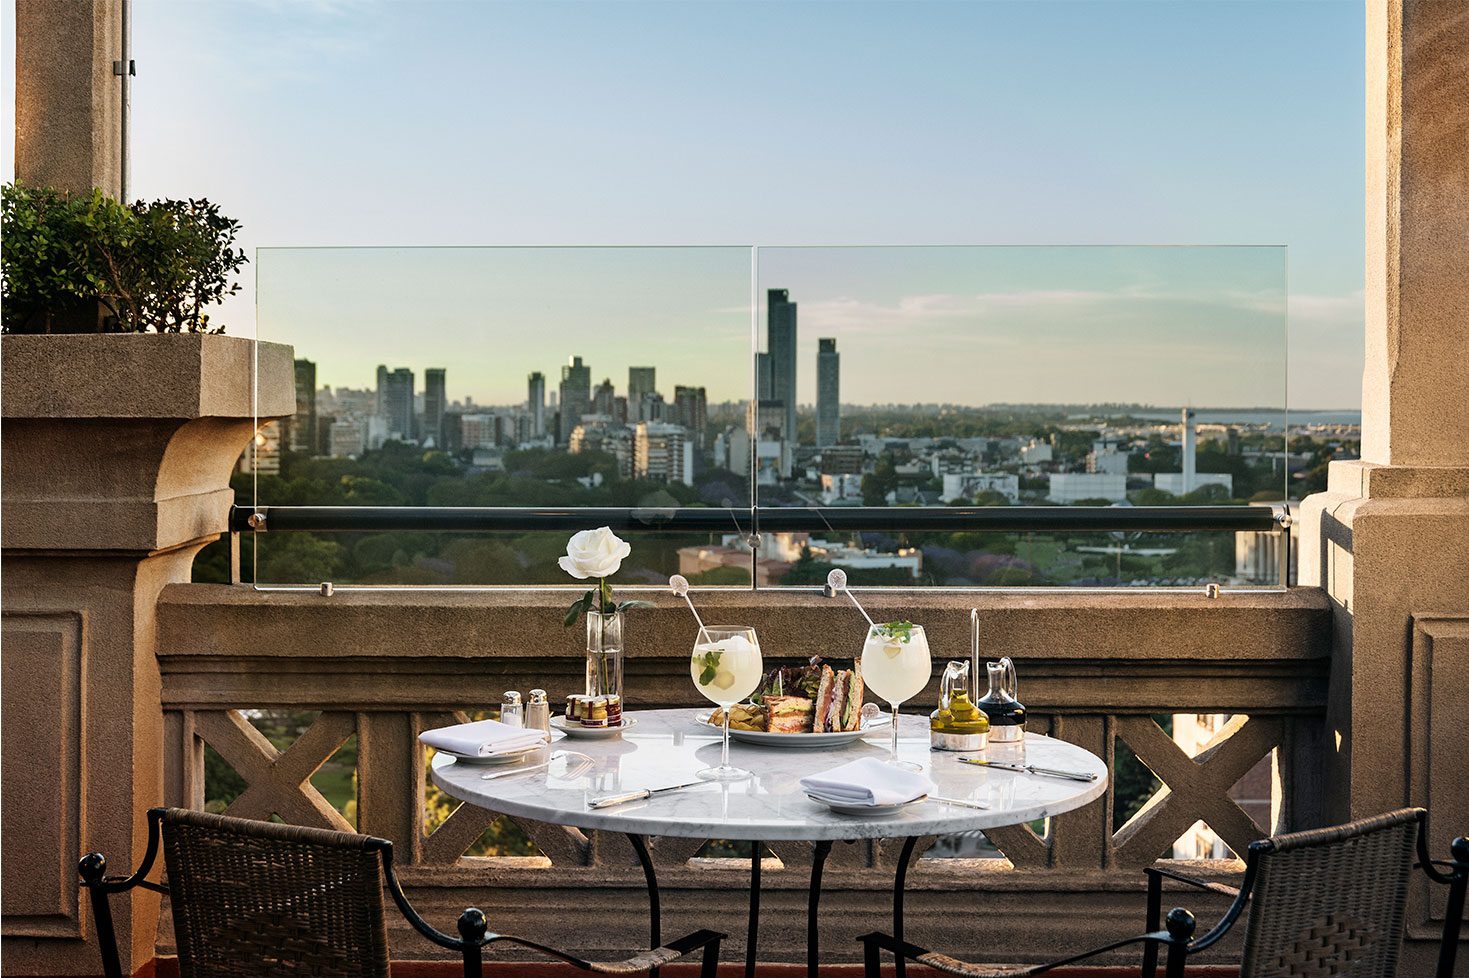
column 277, row 782
column 1194, row 787
column 564, row 846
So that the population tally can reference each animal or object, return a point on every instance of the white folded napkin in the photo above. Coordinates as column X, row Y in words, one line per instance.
column 868, row 781
column 484, row 738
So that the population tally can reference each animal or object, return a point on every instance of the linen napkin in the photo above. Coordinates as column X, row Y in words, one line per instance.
column 868, row 781
column 484, row 738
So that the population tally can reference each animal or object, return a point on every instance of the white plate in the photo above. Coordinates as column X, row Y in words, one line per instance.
column 801, row 741
column 593, row 733
column 864, row 811
column 505, row 758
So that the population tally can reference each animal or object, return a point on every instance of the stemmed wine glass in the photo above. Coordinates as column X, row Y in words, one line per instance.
column 726, row 667
column 896, row 666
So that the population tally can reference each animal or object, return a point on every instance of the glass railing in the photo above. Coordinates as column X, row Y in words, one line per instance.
column 920, row 416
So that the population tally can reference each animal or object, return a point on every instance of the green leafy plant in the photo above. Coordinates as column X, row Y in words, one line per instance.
column 152, row 266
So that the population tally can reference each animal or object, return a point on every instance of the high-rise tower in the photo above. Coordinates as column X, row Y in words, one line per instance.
column 781, row 342
column 397, row 399
column 576, row 397
column 640, row 382
column 828, row 393
column 1190, row 450
column 536, row 403
column 435, row 403
column 303, row 433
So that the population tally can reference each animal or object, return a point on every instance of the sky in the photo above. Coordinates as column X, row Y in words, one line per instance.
column 1105, row 122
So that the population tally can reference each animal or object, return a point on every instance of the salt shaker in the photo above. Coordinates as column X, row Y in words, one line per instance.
column 538, row 711
column 512, row 712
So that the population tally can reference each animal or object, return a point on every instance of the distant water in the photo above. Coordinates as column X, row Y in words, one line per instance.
column 1298, row 419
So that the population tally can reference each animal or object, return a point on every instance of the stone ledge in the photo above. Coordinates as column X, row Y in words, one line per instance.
column 221, row 619
column 1356, row 478
column 143, row 375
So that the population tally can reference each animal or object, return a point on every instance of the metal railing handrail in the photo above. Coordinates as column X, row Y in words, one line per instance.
column 897, row 519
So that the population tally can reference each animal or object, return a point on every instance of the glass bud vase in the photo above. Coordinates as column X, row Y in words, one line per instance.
column 604, row 654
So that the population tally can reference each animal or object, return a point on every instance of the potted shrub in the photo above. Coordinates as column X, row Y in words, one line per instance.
column 85, row 263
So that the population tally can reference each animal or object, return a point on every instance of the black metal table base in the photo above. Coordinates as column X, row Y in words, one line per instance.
column 821, row 850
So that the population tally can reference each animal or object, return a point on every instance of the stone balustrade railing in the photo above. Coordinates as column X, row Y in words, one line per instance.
column 1095, row 669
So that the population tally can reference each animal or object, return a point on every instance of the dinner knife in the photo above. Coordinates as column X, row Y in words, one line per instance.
column 608, row 801
column 1031, row 769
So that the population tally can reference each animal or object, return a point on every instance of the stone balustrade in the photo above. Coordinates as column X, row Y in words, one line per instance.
column 1095, row 669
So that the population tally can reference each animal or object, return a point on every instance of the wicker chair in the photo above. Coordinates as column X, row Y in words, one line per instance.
column 1453, row 873
column 257, row 898
column 1322, row 903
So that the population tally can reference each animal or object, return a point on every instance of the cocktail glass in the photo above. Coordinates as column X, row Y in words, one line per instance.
column 896, row 666
column 726, row 667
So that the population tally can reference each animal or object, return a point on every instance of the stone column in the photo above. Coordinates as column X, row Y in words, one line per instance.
column 1389, row 539
column 117, row 452
column 68, row 101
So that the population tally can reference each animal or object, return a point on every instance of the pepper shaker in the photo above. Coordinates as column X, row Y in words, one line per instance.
column 512, row 712
column 538, row 711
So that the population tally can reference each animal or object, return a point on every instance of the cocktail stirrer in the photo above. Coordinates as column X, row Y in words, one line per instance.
column 679, row 585
column 837, row 581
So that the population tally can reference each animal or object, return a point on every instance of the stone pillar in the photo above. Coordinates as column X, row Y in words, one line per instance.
column 1389, row 539
column 68, row 101
column 117, row 452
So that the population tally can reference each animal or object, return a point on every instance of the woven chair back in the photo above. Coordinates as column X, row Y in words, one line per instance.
column 252, row 899
column 1328, row 903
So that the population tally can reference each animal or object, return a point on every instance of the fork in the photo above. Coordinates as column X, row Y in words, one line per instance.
column 495, row 775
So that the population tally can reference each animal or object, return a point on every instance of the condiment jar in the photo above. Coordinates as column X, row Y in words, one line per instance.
column 538, row 711
column 512, row 711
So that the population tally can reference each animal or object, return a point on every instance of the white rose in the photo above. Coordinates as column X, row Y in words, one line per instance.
column 594, row 553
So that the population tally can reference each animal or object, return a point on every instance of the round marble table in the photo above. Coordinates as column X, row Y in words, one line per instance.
column 668, row 747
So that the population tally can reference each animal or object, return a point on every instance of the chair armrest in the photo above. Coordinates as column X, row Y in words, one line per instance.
column 637, row 964
column 1230, row 891
column 953, row 966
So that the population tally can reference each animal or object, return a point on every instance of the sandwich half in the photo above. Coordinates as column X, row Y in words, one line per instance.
column 824, row 691
column 788, row 714
column 851, row 717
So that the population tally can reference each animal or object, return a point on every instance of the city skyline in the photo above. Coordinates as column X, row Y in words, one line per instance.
column 1165, row 326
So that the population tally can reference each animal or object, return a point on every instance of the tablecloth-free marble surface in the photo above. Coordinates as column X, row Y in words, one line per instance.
column 669, row 747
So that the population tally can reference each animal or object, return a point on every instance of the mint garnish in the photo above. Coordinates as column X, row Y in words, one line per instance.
column 900, row 630
column 710, row 660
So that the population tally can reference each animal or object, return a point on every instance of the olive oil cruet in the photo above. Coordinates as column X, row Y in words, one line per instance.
column 957, row 724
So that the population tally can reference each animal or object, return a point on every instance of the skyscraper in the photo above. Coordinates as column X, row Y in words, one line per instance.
column 604, row 399
column 691, row 409
column 435, row 403
column 828, row 393
column 381, row 407
column 781, row 342
column 396, row 395
column 640, row 381
column 303, row 427
column 536, row 403
column 576, row 397
column 762, row 377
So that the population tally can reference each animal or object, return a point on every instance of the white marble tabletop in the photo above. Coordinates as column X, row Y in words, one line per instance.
column 668, row 747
